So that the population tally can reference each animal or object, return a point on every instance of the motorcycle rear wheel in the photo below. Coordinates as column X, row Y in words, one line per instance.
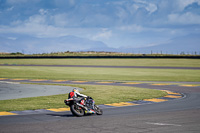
column 77, row 111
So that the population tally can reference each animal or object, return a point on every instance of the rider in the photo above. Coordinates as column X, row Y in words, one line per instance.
column 75, row 94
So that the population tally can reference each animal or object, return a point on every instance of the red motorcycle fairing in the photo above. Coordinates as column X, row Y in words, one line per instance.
column 82, row 102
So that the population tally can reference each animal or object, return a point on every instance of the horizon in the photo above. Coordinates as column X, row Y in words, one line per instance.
column 136, row 53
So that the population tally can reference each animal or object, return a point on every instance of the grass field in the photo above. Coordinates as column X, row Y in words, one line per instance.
column 108, row 62
column 95, row 74
column 119, row 74
column 102, row 95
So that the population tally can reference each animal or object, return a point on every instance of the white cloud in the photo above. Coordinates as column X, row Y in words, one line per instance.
column 72, row 2
column 43, row 11
column 122, row 13
column 10, row 9
column 181, row 4
column 16, row 22
column 187, row 18
column 150, row 7
column 132, row 28
column 12, row 38
column 17, row 1
column 60, row 20
column 36, row 19
column 104, row 34
column 36, row 25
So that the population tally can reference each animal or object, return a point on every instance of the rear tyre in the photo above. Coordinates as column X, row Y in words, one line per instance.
column 77, row 111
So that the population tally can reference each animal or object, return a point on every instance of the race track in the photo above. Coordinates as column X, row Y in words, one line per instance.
column 14, row 90
column 179, row 115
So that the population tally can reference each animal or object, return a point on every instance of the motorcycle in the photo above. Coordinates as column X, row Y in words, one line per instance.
column 83, row 106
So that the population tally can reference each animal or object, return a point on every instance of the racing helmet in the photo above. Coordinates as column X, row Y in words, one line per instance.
column 75, row 90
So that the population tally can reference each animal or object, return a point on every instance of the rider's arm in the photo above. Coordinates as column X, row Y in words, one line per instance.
column 81, row 95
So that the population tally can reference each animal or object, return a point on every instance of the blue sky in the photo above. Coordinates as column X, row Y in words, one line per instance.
column 115, row 23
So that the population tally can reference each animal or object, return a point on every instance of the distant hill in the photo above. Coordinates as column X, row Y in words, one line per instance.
column 29, row 45
column 184, row 44
column 48, row 45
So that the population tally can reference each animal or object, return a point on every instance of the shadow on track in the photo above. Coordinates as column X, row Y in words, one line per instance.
column 62, row 115
column 69, row 115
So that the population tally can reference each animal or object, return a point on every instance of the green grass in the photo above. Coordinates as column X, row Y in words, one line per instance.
column 101, row 94
column 98, row 74
column 108, row 62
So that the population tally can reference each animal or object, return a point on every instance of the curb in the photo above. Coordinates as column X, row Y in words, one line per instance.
column 171, row 96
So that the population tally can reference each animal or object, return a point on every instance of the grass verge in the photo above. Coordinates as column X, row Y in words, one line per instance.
column 108, row 62
column 102, row 95
column 92, row 74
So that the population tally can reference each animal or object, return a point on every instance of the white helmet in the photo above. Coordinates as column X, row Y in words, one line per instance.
column 75, row 90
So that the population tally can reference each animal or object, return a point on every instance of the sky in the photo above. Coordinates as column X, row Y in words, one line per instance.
column 32, row 25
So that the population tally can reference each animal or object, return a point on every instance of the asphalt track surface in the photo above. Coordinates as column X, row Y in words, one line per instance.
column 179, row 115
column 14, row 90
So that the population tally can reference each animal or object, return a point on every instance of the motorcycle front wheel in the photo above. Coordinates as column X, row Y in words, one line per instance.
column 76, row 110
column 98, row 110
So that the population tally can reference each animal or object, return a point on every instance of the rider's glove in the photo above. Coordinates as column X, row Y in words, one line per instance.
column 88, row 97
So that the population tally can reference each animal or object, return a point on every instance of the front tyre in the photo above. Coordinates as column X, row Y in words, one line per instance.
column 76, row 110
column 98, row 110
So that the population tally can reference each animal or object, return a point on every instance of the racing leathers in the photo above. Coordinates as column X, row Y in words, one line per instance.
column 76, row 95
